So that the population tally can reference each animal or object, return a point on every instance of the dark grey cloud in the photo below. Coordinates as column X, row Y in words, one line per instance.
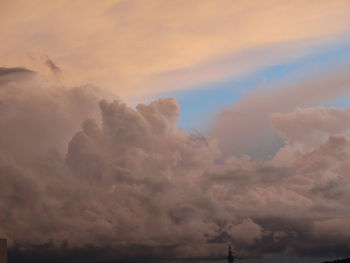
column 56, row 70
column 14, row 74
column 10, row 71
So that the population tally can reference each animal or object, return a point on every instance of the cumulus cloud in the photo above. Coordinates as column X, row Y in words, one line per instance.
column 251, row 131
column 37, row 115
column 77, row 171
column 311, row 126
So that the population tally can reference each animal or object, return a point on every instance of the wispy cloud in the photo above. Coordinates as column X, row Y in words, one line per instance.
column 130, row 46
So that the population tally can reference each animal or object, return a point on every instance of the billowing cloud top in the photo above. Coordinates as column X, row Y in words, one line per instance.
column 78, row 171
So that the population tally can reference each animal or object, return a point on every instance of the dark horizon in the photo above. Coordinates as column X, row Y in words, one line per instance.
column 90, row 254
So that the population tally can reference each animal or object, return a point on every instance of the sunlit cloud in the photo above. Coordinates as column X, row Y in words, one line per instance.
column 81, row 169
column 142, row 47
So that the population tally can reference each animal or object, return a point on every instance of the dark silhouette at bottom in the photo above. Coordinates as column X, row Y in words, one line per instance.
column 344, row 260
column 3, row 250
column 230, row 257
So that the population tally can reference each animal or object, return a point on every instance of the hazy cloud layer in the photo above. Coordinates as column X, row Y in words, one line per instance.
column 129, row 178
column 140, row 47
column 245, row 127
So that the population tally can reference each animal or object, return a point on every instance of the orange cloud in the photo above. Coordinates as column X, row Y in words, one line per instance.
column 129, row 46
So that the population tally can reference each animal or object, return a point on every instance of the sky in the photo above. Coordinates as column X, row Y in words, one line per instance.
column 161, row 130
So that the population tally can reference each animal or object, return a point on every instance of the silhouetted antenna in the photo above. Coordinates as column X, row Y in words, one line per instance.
column 231, row 257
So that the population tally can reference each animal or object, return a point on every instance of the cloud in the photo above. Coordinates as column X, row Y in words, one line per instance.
column 310, row 126
column 53, row 67
column 29, row 103
column 10, row 74
column 134, row 48
column 11, row 71
column 238, row 135
column 128, row 179
column 246, row 232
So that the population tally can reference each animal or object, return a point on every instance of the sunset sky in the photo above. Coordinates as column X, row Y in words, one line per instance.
column 167, row 129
